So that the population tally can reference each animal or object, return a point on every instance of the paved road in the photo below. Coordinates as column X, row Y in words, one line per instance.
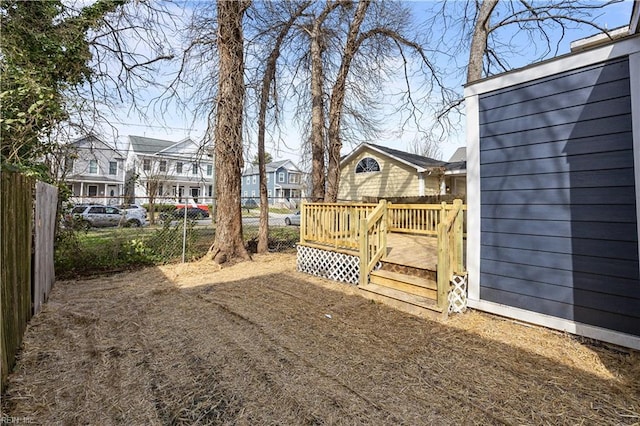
column 275, row 219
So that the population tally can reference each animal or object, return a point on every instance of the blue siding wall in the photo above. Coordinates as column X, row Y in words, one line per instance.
column 558, row 215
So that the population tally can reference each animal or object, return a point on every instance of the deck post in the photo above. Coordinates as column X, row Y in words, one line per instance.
column 458, row 266
column 443, row 266
column 383, row 228
column 303, row 221
column 364, row 252
column 443, row 212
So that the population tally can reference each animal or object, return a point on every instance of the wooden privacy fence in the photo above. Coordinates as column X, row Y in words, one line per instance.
column 44, row 235
column 26, row 270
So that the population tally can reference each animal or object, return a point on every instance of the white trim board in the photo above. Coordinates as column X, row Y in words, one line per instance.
column 558, row 65
column 473, row 194
column 580, row 329
column 634, row 81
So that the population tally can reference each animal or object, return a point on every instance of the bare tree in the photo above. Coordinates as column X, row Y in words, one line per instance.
column 268, row 79
column 381, row 39
column 228, row 243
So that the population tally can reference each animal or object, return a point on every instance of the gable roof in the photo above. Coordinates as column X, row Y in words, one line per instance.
column 419, row 162
column 459, row 155
column 92, row 137
column 144, row 145
column 271, row 167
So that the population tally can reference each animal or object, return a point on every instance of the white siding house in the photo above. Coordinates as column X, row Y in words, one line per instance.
column 94, row 171
column 170, row 171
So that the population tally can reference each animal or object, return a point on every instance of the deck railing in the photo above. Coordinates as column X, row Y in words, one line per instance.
column 373, row 240
column 450, row 251
column 362, row 228
column 333, row 224
column 416, row 218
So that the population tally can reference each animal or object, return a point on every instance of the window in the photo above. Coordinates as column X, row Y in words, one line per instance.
column 367, row 165
column 281, row 177
column 210, row 191
column 69, row 165
column 146, row 165
column 293, row 178
column 93, row 166
column 92, row 190
column 209, row 169
column 179, row 167
column 248, row 179
column 253, row 193
column 255, row 178
column 269, row 193
column 113, row 168
column 194, row 168
column 246, row 194
column 163, row 166
column 268, row 177
column 160, row 189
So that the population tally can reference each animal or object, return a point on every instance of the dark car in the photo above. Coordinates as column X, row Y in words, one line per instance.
column 192, row 213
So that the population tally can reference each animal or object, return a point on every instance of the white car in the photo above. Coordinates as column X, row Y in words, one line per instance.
column 135, row 212
column 292, row 219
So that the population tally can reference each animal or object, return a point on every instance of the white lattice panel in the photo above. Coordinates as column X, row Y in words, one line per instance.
column 458, row 294
column 328, row 264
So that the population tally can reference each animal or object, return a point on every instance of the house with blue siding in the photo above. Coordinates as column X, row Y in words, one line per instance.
column 553, row 182
column 285, row 182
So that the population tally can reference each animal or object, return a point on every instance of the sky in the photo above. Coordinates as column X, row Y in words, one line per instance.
column 178, row 124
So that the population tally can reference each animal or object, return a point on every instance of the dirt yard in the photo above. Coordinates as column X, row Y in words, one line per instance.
column 258, row 343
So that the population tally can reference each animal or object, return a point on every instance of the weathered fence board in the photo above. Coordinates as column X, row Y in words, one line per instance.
column 44, row 224
column 16, row 224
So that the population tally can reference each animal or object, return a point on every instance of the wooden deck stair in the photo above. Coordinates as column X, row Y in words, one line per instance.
column 408, row 288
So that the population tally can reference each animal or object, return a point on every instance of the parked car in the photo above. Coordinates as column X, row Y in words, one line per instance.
column 134, row 211
column 293, row 219
column 98, row 216
column 192, row 213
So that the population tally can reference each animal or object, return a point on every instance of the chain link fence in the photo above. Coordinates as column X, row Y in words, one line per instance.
column 103, row 235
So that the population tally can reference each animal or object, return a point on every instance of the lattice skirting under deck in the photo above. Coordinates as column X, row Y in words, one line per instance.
column 458, row 294
column 328, row 264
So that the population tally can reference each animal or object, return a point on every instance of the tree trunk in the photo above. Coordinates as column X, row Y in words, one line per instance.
column 269, row 76
column 479, row 40
column 337, row 102
column 317, row 115
column 228, row 244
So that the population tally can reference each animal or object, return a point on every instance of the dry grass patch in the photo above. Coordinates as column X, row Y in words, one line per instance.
column 258, row 343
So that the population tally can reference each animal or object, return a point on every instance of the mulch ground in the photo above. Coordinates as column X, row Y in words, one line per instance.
column 259, row 343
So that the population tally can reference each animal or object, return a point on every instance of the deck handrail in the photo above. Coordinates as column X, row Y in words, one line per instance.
column 333, row 224
column 373, row 240
column 450, row 251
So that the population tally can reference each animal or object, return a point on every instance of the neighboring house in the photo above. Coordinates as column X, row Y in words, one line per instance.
column 94, row 171
column 285, row 182
column 455, row 173
column 554, row 183
column 168, row 171
column 377, row 171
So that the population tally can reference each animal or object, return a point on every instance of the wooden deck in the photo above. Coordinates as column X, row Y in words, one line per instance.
column 412, row 250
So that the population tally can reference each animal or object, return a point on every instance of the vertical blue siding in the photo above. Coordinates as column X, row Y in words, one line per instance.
column 558, row 205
